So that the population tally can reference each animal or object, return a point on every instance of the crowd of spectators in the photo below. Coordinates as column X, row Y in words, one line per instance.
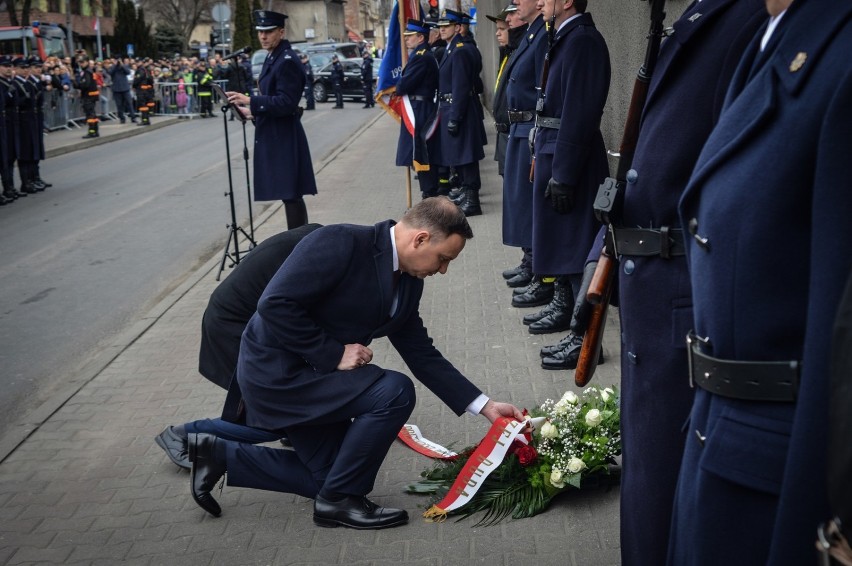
column 168, row 74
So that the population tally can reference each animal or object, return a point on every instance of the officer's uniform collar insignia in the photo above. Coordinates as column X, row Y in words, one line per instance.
column 798, row 62
column 694, row 17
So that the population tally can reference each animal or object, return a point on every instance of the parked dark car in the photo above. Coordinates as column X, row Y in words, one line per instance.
column 352, row 85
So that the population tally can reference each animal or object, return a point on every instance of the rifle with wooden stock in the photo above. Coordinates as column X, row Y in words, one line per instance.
column 608, row 204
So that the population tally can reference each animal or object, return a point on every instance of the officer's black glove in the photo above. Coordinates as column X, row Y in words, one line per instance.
column 582, row 306
column 561, row 196
column 453, row 128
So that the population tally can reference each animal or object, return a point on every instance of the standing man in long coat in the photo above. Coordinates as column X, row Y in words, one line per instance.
column 419, row 83
column 461, row 122
column 769, row 245
column 568, row 126
column 282, row 160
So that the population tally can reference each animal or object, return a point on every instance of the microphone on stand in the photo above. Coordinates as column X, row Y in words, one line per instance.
column 242, row 51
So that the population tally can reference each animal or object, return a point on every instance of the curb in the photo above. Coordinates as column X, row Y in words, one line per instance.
column 128, row 133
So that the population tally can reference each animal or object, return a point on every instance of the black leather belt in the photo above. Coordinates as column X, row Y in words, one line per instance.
column 665, row 242
column 545, row 122
column 446, row 97
column 501, row 128
column 750, row 381
column 521, row 116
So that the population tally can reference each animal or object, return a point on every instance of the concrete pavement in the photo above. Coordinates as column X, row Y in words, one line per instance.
column 85, row 484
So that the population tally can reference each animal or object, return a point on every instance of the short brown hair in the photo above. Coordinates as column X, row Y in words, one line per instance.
column 440, row 216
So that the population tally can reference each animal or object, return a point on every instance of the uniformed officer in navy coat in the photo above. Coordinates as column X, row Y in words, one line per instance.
column 462, row 129
column 304, row 368
column 685, row 97
column 419, row 82
column 769, row 247
column 523, row 71
column 570, row 155
column 282, row 160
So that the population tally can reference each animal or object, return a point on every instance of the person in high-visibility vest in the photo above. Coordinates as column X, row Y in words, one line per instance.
column 204, row 78
column 89, row 95
column 143, row 84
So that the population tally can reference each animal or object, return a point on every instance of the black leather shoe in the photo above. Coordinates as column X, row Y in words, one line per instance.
column 206, row 471
column 521, row 290
column 174, row 446
column 522, row 279
column 43, row 182
column 356, row 513
column 537, row 295
column 567, row 357
column 38, row 185
column 28, row 189
column 509, row 273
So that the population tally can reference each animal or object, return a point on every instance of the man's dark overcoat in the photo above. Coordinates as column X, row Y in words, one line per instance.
column 282, row 160
column 234, row 302
column 458, row 72
column 419, row 79
column 523, row 70
column 769, row 201
column 686, row 95
column 576, row 92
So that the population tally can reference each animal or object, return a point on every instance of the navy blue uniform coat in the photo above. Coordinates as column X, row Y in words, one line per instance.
column 770, row 192
column 523, row 71
column 576, row 91
column 419, row 78
column 282, row 159
column 459, row 71
column 287, row 369
column 685, row 99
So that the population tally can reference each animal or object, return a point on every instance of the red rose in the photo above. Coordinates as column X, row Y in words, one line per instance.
column 526, row 455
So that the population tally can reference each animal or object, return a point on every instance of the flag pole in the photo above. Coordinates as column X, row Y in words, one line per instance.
column 404, row 57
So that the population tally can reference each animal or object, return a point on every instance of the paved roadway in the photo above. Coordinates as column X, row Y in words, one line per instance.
column 125, row 223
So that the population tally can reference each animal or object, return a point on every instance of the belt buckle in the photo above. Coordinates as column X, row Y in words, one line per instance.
column 692, row 340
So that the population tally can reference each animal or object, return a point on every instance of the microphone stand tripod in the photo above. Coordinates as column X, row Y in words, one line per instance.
column 234, row 230
column 237, row 71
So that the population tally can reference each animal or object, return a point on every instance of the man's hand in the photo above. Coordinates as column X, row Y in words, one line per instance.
column 582, row 307
column 355, row 356
column 493, row 410
column 561, row 196
column 453, row 128
column 238, row 98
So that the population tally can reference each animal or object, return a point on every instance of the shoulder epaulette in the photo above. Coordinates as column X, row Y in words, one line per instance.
column 460, row 44
column 421, row 52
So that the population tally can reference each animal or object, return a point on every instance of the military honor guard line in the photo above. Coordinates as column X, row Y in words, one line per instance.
column 724, row 373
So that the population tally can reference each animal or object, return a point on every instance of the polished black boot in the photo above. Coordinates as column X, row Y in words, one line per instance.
column 558, row 312
column 548, row 351
column 356, row 513
column 568, row 356
column 456, row 195
column 28, row 189
column 538, row 293
column 509, row 273
column 470, row 203
column 522, row 279
column 207, row 469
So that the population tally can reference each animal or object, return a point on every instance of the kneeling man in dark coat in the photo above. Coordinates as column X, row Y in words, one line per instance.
column 305, row 370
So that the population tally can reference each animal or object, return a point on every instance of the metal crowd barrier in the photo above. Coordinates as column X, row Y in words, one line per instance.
column 63, row 109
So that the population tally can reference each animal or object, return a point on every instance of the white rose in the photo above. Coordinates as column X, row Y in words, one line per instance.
column 549, row 431
column 576, row 465
column 561, row 408
column 593, row 418
column 606, row 393
column 569, row 398
column 556, row 478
